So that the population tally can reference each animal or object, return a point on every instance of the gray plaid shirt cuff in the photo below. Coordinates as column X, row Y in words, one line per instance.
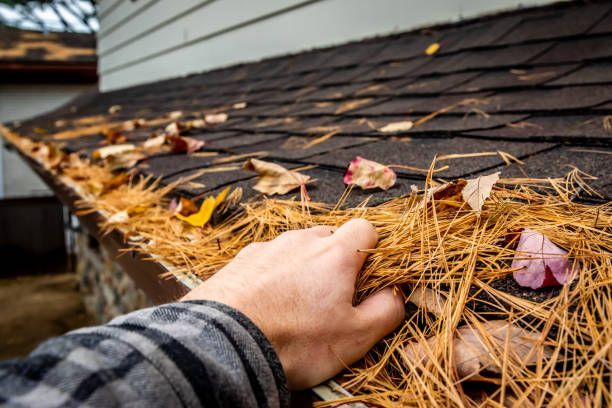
column 192, row 354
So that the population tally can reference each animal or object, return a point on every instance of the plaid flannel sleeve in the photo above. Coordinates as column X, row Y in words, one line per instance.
column 180, row 354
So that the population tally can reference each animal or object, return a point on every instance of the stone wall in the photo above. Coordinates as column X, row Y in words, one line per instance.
column 107, row 289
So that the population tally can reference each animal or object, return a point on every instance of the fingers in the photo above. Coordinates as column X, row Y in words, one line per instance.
column 380, row 314
column 355, row 235
column 322, row 231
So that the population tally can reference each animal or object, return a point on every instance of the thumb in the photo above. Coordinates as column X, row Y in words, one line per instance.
column 381, row 313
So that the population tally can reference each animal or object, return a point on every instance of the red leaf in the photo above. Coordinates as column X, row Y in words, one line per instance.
column 184, row 144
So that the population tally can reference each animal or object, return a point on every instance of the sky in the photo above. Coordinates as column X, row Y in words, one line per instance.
column 50, row 19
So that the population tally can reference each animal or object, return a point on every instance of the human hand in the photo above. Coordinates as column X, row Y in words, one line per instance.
column 298, row 289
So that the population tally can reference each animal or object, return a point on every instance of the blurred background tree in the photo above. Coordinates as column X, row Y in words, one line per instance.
column 50, row 15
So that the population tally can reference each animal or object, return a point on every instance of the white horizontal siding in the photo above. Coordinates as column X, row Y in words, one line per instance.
column 203, row 22
column 106, row 6
column 153, row 15
column 19, row 102
column 122, row 14
column 224, row 32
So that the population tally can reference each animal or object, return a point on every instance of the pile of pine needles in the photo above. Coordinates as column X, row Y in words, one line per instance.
column 460, row 256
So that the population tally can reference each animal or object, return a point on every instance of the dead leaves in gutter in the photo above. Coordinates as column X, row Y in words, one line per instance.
column 482, row 348
column 202, row 216
column 473, row 192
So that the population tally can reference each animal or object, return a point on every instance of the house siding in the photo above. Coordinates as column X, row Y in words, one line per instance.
column 19, row 102
column 147, row 40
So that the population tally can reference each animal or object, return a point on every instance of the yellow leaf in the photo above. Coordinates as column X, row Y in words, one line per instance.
column 432, row 49
column 221, row 196
column 205, row 213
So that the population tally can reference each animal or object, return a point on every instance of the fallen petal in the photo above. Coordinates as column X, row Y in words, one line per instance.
column 369, row 174
column 539, row 262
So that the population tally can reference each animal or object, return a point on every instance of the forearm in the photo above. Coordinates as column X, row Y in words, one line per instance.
column 181, row 354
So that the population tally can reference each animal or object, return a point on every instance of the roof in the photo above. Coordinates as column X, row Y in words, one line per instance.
column 25, row 52
column 530, row 86
column 535, row 83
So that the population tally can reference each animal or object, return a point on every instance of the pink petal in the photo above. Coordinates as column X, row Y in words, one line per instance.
column 539, row 262
column 193, row 145
column 369, row 174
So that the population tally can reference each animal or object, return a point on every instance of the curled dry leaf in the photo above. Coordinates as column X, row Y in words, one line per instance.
column 195, row 124
column 155, row 143
column 113, row 136
column 474, row 192
column 114, row 182
column 273, row 178
column 112, row 150
column 186, row 207
column 369, row 174
column 215, row 118
column 130, row 125
column 125, row 160
column 47, row 153
column 540, row 262
column 447, row 191
column 174, row 129
column 118, row 217
column 483, row 348
column 175, row 114
column 114, row 109
column 204, row 214
column 477, row 190
column 402, row 126
column 428, row 300
column 184, row 144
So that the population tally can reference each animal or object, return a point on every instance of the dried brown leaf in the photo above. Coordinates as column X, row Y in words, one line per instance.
column 476, row 191
column 484, row 348
column 402, row 126
column 274, row 178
